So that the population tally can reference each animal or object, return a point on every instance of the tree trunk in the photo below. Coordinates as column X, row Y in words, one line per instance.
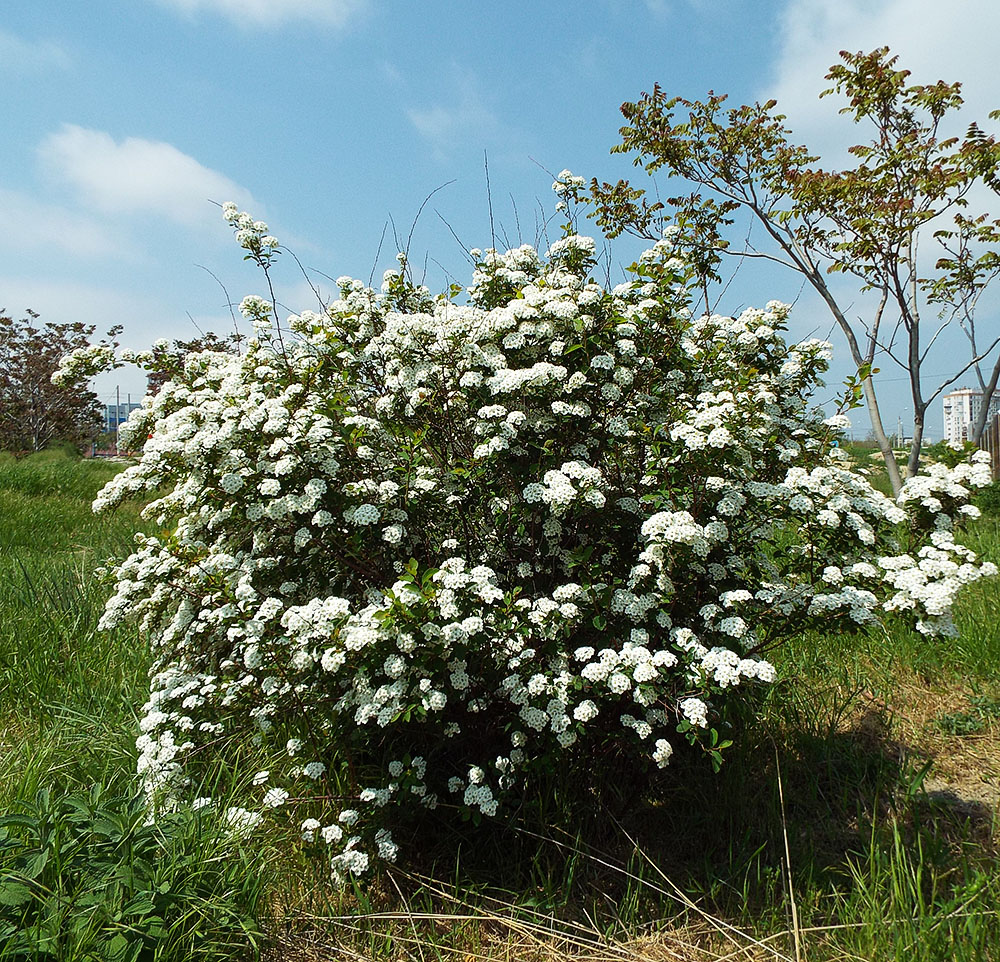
column 891, row 468
column 913, row 463
column 871, row 401
column 984, row 408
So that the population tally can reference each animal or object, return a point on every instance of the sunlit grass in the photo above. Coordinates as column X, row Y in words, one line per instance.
column 61, row 681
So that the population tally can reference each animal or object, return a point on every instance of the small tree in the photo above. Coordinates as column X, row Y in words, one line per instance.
column 869, row 221
column 969, row 271
column 34, row 412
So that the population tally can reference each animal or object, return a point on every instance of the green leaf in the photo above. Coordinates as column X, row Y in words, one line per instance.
column 142, row 904
column 118, row 946
column 22, row 821
column 14, row 893
column 35, row 864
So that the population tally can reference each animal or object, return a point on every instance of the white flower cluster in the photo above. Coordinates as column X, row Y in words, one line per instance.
column 252, row 235
column 83, row 363
column 420, row 548
column 567, row 183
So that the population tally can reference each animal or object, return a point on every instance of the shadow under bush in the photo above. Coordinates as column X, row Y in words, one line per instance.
column 615, row 848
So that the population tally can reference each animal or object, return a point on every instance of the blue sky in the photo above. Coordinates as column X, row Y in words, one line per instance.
column 123, row 119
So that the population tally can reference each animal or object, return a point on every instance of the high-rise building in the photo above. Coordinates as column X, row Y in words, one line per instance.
column 961, row 408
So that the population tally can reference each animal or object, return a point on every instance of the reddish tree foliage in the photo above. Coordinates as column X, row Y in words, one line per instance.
column 33, row 411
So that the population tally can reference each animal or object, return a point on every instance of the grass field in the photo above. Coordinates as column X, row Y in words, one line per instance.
column 856, row 819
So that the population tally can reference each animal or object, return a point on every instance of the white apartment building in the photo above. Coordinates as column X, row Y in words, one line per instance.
column 961, row 408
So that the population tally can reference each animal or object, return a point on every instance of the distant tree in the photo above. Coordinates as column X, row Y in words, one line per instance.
column 34, row 412
column 875, row 221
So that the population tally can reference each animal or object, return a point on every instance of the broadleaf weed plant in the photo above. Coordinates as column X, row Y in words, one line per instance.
column 429, row 552
column 88, row 875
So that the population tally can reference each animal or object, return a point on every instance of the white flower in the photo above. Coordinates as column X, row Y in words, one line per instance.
column 363, row 514
column 275, row 798
column 241, row 822
column 695, row 711
column 662, row 750
column 510, row 508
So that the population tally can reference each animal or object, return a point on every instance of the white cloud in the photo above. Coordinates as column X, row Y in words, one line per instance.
column 62, row 299
column 32, row 224
column 436, row 123
column 22, row 55
column 137, row 176
column 957, row 44
column 301, row 296
column 932, row 44
column 272, row 13
column 447, row 125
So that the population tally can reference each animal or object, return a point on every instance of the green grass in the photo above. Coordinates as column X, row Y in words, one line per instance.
column 81, row 874
column 68, row 693
column 843, row 818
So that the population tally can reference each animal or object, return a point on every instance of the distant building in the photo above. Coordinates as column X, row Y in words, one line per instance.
column 117, row 414
column 961, row 408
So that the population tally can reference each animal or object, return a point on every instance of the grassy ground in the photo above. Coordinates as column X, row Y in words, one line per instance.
column 82, row 876
column 856, row 820
column 67, row 692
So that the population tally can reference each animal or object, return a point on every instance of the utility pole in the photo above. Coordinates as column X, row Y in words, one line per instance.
column 118, row 415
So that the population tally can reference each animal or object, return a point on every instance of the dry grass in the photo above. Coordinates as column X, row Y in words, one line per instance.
column 496, row 931
column 963, row 770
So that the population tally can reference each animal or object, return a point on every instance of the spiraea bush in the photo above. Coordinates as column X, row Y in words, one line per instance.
column 426, row 552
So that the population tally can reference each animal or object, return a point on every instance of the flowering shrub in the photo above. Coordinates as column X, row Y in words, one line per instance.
column 431, row 549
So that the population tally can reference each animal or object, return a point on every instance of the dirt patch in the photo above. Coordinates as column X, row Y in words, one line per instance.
column 951, row 730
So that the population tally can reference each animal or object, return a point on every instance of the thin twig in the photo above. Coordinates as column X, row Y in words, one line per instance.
column 489, row 199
